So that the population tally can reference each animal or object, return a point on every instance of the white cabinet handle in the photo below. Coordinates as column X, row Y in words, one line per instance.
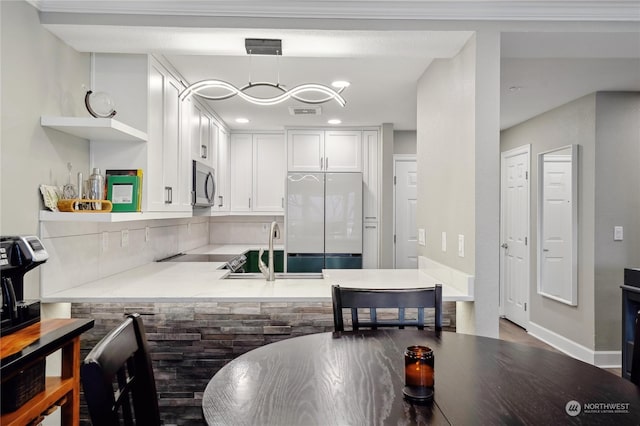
column 369, row 217
column 203, row 151
column 168, row 195
column 320, row 163
column 220, row 200
column 326, row 163
column 249, row 202
column 370, row 226
column 283, row 202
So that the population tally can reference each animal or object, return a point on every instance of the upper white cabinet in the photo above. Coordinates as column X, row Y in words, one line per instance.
column 268, row 173
column 203, row 133
column 146, row 97
column 241, row 165
column 325, row 151
column 343, row 151
column 257, row 173
column 223, row 176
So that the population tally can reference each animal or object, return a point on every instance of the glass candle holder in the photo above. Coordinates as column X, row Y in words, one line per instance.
column 419, row 373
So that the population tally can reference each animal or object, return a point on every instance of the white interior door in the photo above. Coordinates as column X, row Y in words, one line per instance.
column 557, row 219
column 405, row 206
column 515, row 235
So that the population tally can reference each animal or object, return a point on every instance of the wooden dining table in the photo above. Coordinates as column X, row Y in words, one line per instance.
column 356, row 378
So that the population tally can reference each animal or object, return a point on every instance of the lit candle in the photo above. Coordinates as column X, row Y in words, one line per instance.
column 418, row 367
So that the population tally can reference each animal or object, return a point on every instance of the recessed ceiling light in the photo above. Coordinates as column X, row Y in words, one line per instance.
column 334, row 121
column 340, row 84
column 242, row 120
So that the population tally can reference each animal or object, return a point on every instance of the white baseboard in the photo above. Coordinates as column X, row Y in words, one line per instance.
column 602, row 359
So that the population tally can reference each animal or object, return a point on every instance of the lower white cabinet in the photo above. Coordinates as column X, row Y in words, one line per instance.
column 370, row 245
column 258, row 170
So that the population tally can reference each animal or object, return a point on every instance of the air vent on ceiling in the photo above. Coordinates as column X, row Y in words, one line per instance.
column 315, row 110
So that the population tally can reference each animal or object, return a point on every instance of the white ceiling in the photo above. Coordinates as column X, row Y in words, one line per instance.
column 539, row 71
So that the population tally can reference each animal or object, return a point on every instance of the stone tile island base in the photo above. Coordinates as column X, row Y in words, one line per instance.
column 190, row 342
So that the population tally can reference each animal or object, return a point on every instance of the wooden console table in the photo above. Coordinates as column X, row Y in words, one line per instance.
column 32, row 344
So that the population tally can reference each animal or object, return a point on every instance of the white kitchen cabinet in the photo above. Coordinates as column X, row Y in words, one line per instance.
column 324, row 150
column 257, row 173
column 222, row 173
column 203, row 133
column 269, row 173
column 370, row 245
column 370, row 176
column 342, row 151
column 241, row 150
column 146, row 97
column 371, row 207
column 305, row 150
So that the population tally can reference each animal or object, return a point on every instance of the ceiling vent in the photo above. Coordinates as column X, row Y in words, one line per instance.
column 315, row 110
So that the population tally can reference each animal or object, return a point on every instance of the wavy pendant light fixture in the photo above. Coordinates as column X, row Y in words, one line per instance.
column 266, row 47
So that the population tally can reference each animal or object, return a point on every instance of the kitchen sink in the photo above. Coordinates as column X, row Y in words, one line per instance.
column 279, row 276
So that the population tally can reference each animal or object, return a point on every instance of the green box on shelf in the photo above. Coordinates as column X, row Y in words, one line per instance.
column 123, row 192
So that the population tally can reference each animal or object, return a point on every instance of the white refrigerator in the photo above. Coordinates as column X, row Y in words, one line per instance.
column 323, row 221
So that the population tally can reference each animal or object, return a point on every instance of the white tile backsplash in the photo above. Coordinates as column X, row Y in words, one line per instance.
column 76, row 255
column 243, row 230
column 72, row 261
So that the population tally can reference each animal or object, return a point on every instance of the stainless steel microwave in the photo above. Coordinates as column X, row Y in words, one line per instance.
column 204, row 185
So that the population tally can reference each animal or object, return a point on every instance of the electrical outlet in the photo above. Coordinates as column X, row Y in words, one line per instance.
column 146, row 234
column 460, row 245
column 421, row 237
column 105, row 241
column 124, row 238
column 617, row 233
column 444, row 241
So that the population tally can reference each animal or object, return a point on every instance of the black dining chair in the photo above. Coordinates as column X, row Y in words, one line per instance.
column 117, row 378
column 635, row 357
column 374, row 299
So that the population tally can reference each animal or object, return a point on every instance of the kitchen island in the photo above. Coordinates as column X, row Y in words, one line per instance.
column 197, row 319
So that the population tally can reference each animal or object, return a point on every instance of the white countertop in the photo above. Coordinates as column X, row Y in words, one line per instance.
column 204, row 282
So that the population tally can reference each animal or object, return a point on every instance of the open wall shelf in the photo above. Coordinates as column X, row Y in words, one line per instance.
column 106, row 129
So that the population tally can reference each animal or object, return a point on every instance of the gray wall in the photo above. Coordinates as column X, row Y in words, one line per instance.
column 606, row 126
column 458, row 171
column 40, row 76
column 617, row 203
column 446, row 158
column 405, row 142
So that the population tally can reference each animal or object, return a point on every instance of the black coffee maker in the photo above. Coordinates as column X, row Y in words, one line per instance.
column 18, row 255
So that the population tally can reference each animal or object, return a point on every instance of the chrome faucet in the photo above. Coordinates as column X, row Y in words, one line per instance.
column 269, row 271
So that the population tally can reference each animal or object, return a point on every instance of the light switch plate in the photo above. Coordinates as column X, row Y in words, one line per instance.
column 124, row 238
column 421, row 237
column 444, row 241
column 460, row 245
column 617, row 233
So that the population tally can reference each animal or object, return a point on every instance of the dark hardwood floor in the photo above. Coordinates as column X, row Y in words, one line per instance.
column 514, row 333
